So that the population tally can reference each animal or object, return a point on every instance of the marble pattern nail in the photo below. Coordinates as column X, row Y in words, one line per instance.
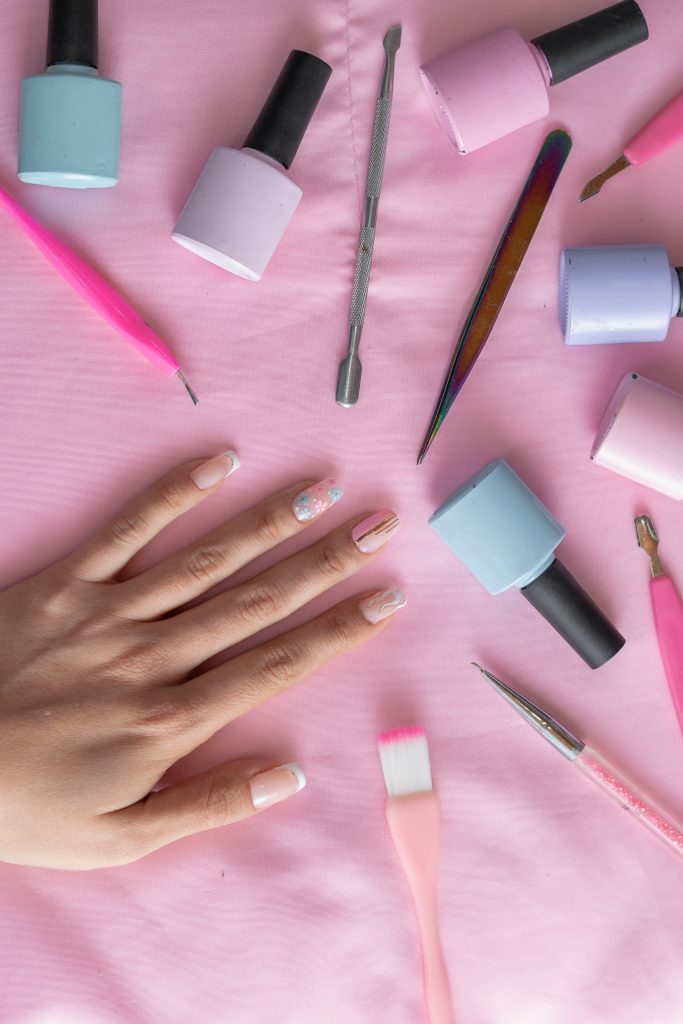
column 383, row 604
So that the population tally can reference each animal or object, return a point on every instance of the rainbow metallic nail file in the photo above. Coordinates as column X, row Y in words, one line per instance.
column 616, row 293
column 501, row 273
column 506, row 537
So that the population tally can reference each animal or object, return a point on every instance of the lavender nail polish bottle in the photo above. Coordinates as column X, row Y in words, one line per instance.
column 243, row 201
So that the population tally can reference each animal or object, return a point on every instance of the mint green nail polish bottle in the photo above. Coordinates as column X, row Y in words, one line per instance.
column 70, row 117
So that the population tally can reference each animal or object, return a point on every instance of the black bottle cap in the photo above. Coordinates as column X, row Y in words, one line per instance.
column 575, row 616
column 679, row 272
column 72, row 32
column 581, row 44
column 286, row 114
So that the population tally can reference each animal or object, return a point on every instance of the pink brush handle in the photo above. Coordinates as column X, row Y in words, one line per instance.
column 668, row 616
column 664, row 130
column 93, row 288
column 414, row 826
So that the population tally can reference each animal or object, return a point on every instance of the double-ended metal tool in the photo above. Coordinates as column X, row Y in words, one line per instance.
column 350, row 369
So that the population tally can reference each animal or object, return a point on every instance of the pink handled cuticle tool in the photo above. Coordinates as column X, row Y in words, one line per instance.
column 667, row 611
column 663, row 131
column 97, row 292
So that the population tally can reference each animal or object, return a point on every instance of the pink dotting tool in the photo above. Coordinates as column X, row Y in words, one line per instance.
column 663, row 131
column 667, row 611
column 97, row 292
column 413, row 816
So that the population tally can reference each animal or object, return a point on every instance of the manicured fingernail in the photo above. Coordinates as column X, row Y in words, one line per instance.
column 214, row 470
column 382, row 605
column 375, row 531
column 276, row 784
column 316, row 499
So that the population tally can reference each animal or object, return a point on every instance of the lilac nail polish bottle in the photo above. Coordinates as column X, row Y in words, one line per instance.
column 616, row 293
column 243, row 201
column 492, row 86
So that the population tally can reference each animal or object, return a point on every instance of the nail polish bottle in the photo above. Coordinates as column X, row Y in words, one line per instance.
column 243, row 201
column 507, row 538
column 492, row 86
column 641, row 435
column 70, row 117
column 615, row 293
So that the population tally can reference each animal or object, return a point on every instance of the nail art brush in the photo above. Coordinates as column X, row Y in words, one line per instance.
column 97, row 292
column 350, row 369
column 412, row 811
column 667, row 612
column 591, row 764
column 663, row 131
column 497, row 282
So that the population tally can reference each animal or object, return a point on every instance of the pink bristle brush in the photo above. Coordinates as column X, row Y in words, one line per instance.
column 413, row 816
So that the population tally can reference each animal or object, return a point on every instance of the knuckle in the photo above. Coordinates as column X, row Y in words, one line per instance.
column 172, row 495
column 330, row 562
column 261, row 601
column 219, row 803
column 283, row 662
column 204, row 565
column 341, row 632
column 127, row 527
column 159, row 715
column 144, row 660
column 268, row 525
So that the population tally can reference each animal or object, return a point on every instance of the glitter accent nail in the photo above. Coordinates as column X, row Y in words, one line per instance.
column 382, row 605
column 316, row 499
column 373, row 532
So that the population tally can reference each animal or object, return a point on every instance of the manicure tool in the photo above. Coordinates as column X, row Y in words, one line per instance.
column 663, row 131
column 593, row 766
column 501, row 273
column 97, row 292
column 350, row 369
column 412, row 811
column 667, row 611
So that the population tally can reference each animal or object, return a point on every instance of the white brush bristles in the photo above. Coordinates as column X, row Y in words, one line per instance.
column 405, row 761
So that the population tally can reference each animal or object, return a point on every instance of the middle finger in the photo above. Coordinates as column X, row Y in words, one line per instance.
column 201, row 632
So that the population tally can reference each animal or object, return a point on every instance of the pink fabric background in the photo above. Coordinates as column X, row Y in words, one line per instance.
column 556, row 907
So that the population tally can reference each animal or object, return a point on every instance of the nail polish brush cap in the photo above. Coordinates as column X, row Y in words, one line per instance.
column 584, row 43
column 617, row 293
column 506, row 537
column 72, row 33
column 287, row 112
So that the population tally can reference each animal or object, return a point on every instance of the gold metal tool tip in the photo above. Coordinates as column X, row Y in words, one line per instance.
column 648, row 540
column 596, row 183
column 186, row 384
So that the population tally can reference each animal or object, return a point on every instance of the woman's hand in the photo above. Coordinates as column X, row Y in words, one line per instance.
column 99, row 694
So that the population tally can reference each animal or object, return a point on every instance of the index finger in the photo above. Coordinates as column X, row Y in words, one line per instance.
column 108, row 551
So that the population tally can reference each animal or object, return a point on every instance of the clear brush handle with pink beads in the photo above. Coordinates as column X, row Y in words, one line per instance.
column 608, row 779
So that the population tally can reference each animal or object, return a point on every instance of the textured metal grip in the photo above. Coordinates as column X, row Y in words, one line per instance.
column 380, row 133
column 362, row 279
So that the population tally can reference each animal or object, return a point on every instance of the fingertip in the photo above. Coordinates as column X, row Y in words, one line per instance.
column 215, row 470
column 382, row 605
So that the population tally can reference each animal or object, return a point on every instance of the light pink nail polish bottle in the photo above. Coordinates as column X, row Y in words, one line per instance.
column 243, row 201
column 492, row 86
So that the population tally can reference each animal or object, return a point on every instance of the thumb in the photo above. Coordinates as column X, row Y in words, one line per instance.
column 220, row 796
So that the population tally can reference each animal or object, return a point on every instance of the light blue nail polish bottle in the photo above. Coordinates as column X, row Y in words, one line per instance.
column 70, row 117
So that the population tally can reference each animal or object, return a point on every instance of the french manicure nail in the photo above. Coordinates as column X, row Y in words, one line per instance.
column 214, row 470
column 316, row 499
column 382, row 605
column 375, row 531
column 276, row 784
